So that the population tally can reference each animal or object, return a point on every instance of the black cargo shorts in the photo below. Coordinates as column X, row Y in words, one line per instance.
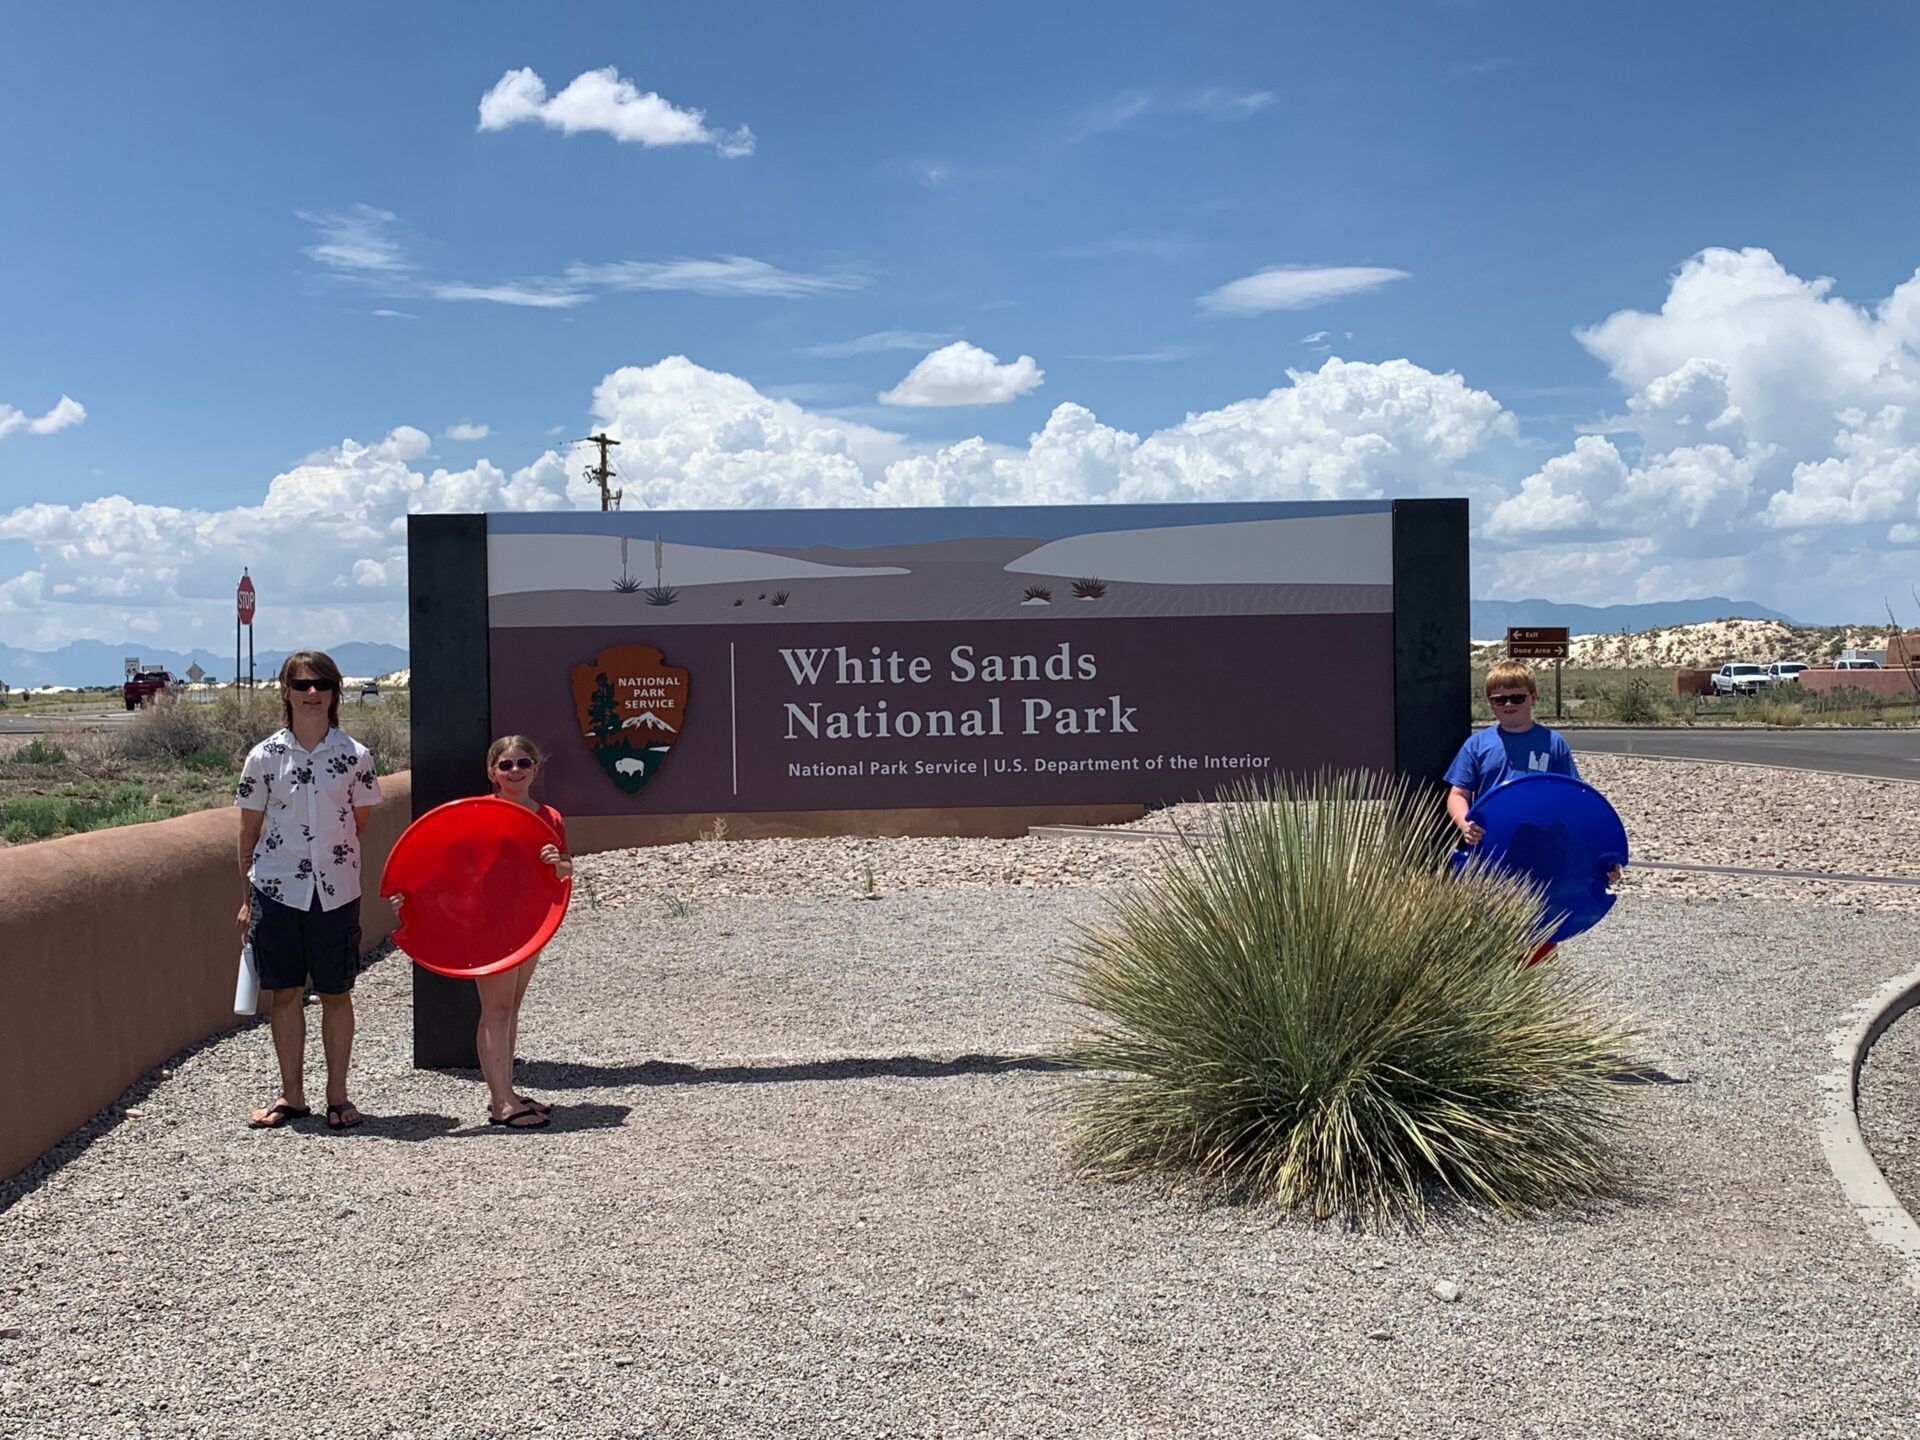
column 291, row 947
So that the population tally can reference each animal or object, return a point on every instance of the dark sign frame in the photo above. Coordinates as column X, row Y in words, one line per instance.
column 453, row 716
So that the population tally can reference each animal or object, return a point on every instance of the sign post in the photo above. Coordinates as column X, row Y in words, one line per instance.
column 243, row 615
column 1540, row 642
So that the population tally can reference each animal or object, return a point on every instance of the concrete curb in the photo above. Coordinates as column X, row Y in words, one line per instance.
column 1865, row 1188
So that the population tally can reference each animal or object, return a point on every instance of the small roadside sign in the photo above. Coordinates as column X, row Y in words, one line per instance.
column 133, row 666
column 1536, row 642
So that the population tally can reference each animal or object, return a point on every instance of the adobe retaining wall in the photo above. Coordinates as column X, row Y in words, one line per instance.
column 118, row 950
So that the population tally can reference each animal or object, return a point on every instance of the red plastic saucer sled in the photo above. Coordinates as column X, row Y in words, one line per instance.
column 479, row 898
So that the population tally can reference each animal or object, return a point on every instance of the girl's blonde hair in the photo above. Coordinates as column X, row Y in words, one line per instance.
column 515, row 742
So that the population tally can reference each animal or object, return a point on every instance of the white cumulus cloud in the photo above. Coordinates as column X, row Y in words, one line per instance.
column 963, row 374
column 467, row 430
column 602, row 101
column 326, row 542
column 1757, row 401
column 67, row 412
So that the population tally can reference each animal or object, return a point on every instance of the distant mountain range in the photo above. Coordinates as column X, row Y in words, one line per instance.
column 93, row 662
column 1490, row 618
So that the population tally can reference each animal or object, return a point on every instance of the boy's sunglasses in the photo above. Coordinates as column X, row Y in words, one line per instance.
column 1519, row 699
column 521, row 764
column 305, row 685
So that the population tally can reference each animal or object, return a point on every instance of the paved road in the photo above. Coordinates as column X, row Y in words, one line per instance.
column 62, row 720
column 1885, row 754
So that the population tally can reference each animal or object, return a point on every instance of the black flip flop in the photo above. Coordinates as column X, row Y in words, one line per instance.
column 279, row 1115
column 335, row 1114
column 508, row 1120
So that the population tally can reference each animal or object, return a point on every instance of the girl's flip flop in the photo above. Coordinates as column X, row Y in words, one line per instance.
column 279, row 1115
column 337, row 1116
column 512, row 1121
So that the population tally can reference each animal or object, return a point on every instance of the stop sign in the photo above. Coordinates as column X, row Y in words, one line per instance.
column 244, row 597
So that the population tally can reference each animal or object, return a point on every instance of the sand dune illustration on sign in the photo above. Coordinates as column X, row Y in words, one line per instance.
column 1319, row 564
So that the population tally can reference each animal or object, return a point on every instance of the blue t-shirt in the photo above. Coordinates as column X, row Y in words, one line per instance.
column 1492, row 757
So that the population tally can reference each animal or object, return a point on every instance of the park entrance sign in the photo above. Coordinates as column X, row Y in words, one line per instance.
column 928, row 671
column 935, row 670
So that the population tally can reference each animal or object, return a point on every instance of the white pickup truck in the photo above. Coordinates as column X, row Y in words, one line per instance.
column 1740, row 680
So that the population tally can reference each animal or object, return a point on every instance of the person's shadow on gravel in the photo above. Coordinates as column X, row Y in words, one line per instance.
column 420, row 1125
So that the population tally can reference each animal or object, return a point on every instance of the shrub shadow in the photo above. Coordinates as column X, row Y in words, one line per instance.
column 560, row 1075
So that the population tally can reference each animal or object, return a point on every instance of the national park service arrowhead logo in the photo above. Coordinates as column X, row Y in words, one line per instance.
column 631, row 705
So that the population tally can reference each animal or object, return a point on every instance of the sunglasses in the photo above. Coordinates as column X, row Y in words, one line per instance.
column 305, row 685
column 521, row 764
column 1519, row 699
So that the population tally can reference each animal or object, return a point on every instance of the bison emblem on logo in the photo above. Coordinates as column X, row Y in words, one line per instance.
column 631, row 705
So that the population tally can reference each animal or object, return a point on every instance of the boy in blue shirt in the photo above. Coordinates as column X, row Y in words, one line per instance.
column 1512, row 747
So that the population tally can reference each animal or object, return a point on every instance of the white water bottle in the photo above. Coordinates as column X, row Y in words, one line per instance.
column 246, row 988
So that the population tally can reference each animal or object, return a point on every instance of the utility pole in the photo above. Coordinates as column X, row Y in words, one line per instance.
column 603, row 472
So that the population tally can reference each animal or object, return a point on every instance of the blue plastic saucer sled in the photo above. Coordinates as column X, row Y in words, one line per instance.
column 1560, row 834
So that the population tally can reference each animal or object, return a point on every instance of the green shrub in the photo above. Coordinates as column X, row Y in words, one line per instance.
column 1305, row 1009
column 41, row 817
column 32, row 817
column 210, row 759
column 38, row 752
column 1634, row 703
column 1781, row 712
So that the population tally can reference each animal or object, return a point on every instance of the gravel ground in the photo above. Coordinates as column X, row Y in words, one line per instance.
column 803, row 1182
column 1700, row 813
column 1889, row 1107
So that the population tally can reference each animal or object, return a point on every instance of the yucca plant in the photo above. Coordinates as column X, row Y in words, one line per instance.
column 1038, row 592
column 627, row 584
column 1301, row 1007
column 1089, row 588
column 661, row 594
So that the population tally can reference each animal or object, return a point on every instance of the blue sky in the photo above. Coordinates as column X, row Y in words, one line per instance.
column 209, row 208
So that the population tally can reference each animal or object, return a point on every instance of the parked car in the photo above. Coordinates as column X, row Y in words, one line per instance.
column 1784, row 672
column 145, row 685
column 1739, row 680
column 1856, row 664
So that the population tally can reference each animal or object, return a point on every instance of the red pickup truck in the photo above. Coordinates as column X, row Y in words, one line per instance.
column 145, row 685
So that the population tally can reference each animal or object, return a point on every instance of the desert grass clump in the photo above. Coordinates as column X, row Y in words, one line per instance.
column 1303, row 1008
column 1782, row 712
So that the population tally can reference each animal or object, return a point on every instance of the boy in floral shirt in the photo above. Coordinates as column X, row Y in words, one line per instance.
column 304, row 796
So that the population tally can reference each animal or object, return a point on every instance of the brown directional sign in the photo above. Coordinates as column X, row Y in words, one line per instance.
column 1536, row 642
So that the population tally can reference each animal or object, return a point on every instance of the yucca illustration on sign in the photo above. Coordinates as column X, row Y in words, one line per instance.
column 631, row 705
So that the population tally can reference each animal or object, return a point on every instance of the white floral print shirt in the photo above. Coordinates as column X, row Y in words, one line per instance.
column 309, row 838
